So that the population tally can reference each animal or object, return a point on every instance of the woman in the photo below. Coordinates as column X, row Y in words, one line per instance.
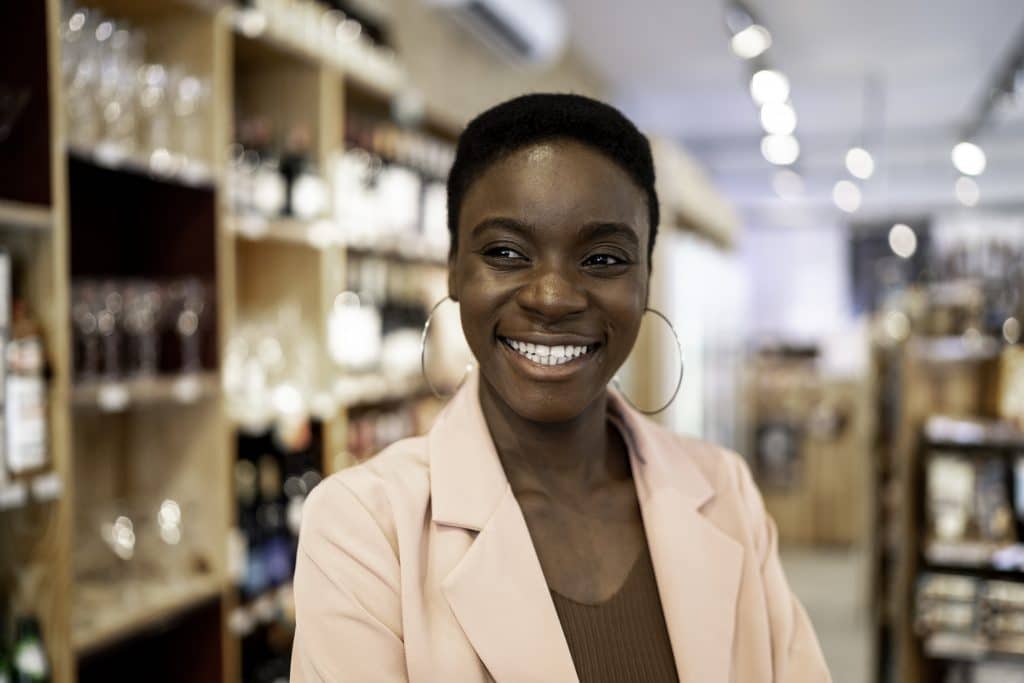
column 544, row 530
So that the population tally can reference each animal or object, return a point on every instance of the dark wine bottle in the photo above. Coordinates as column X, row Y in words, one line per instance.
column 30, row 663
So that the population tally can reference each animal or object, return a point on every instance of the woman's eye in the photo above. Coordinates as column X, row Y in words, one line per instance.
column 504, row 253
column 604, row 260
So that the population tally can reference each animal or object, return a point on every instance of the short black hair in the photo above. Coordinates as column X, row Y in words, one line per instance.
column 529, row 119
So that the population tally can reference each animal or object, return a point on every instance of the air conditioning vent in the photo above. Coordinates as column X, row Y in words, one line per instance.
column 522, row 31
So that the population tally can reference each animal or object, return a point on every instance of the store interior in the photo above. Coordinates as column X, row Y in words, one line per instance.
column 223, row 232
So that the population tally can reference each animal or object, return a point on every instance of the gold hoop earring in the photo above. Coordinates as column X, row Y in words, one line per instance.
column 682, row 369
column 423, row 355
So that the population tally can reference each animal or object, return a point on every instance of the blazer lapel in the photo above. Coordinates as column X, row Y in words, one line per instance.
column 497, row 590
column 500, row 597
column 698, row 567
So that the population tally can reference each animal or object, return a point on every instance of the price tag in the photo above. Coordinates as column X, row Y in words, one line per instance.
column 186, row 389
column 47, row 487
column 13, row 495
column 113, row 398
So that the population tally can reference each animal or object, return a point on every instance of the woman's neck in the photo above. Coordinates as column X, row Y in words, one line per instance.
column 573, row 457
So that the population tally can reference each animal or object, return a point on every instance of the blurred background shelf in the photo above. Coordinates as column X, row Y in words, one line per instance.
column 106, row 617
column 164, row 167
column 118, row 396
column 22, row 215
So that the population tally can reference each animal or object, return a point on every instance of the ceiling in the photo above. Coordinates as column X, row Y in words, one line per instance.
column 903, row 76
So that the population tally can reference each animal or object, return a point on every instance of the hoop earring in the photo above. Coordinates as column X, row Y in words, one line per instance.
column 423, row 355
column 682, row 369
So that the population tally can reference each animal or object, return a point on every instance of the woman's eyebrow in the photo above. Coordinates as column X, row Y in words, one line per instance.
column 502, row 223
column 597, row 230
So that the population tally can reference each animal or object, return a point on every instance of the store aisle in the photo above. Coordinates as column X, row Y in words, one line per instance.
column 831, row 585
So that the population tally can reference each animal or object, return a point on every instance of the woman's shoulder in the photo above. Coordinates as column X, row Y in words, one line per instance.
column 722, row 467
column 730, row 483
column 370, row 495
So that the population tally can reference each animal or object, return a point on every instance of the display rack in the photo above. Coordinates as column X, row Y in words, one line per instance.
column 942, row 398
column 80, row 212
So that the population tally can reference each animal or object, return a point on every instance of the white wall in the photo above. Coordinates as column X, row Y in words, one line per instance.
column 799, row 281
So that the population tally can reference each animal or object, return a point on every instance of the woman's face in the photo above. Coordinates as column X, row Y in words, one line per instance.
column 551, row 272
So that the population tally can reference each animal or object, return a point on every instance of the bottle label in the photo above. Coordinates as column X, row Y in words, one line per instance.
column 26, row 423
column 30, row 660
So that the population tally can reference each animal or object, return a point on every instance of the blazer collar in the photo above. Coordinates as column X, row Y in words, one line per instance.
column 497, row 591
column 467, row 480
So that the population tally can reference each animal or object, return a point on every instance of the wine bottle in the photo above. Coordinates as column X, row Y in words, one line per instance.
column 306, row 191
column 30, row 663
column 25, row 396
column 275, row 548
column 267, row 189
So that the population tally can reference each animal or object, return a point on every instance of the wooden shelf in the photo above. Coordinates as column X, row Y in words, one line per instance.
column 315, row 234
column 373, row 68
column 365, row 390
column 28, row 216
column 323, row 234
column 941, row 431
column 956, row 349
column 42, row 487
column 101, row 616
column 113, row 397
column 190, row 174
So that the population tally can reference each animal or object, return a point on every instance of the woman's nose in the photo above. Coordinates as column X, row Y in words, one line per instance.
column 553, row 295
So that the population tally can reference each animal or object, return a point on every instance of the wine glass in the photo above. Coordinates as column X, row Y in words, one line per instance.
column 190, row 297
column 84, row 308
column 142, row 304
column 110, row 307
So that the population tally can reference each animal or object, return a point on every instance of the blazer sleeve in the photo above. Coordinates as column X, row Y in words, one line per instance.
column 796, row 654
column 347, row 607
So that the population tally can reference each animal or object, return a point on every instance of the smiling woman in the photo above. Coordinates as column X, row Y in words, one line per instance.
column 544, row 530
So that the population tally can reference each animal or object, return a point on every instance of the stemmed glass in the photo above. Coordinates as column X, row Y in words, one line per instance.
column 190, row 298
column 84, row 317
column 120, row 55
column 190, row 100
column 81, row 71
column 110, row 307
column 155, row 113
column 142, row 303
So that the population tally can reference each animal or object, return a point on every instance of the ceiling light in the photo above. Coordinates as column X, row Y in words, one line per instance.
column 767, row 86
column 902, row 240
column 969, row 159
column 847, row 196
column 780, row 150
column 788, row 184
column 860, row 163
column 778, row 118
column 967, row 191
column 751, row 41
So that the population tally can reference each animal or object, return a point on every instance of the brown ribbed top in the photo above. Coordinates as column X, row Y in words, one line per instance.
column 623, row 638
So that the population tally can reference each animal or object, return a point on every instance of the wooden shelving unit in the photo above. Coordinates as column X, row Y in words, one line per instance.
column 71, row 214
column 22, row 215
column 934, row 377
column 115, row 397
column 152, row 603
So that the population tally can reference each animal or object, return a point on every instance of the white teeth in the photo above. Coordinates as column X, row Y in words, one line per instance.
column 547, row 355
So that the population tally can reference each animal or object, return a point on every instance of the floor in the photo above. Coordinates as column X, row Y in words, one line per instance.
column 831, row 584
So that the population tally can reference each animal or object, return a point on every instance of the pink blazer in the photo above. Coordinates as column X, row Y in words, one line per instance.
column 418, row 566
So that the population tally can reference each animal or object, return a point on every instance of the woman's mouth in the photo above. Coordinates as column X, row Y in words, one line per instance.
column 542, row 354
